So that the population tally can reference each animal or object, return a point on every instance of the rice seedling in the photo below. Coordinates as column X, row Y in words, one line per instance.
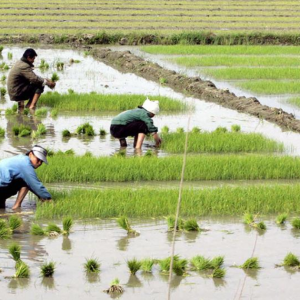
column 165, row 264
column 147, row 264
column 92, row 265
column 44, row 65
column 11, row 111
column 85, row 129
column 1, row 49
column 9, row 55
column 47, row 269
column 102, row 132
column 114, row 287
column 14, row 222
column 179, row 267
column 41, row 112
column 221, row 130
column 4, row 66
column 218, row 273
column 67, row 225
column 261, row 225
column 163, row 80
column 70, row 91
column 26, row 111
column 54, row 113
column 124, row 223
column 148, row 153
column 15, row 251
column 250, row 263
column 52, row 228
column 59, row 65
column 74, row 61
column 41, row 130
column 296, row 223
column 200, row 263
column 3, row 78
column 72, row 101
column 2, row 91
column 191, row 225
column 291, row 260
column 69, row 152
column 171, row 223
column 37, row 230
column 54, row 77
column 281, row 219
column 66, row 133
column 235, row 128
column 22, row 271
column 217, row 262
column 2, row 132
column 21, row 130
column 134, row 265
column 195, row 130
column 165, row 129
column 248, row 219
column 5, row 230
column 180, row 130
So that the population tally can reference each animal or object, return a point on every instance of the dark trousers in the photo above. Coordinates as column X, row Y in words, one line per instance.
column 8, row 191
column 28, row 93
column 131, row 129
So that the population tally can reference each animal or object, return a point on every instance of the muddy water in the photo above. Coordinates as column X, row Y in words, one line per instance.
column 90, row 75
column 110, row 244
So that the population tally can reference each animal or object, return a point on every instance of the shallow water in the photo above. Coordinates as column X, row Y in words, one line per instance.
column 104, row 240
column 90, row 75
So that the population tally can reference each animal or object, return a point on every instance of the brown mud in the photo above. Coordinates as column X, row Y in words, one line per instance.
column 195, row 87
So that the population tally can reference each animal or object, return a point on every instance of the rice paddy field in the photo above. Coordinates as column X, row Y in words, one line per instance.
column 240, row 196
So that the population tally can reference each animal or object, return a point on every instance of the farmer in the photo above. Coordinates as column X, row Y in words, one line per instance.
column 136, row 122
column 23, row 84
column 17, row 175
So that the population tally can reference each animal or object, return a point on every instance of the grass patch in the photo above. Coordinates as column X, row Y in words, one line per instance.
column 103, row 102
column 219, row 142
column 151, row 202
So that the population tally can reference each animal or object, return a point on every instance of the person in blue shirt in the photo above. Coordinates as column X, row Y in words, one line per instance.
column 17, row 176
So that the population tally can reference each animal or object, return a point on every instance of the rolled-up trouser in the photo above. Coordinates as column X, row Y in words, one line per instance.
column 131, row 129
column 10, row 190
column 28, row 93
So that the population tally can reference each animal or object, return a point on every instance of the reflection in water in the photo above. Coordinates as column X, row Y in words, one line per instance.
column 219, row 282
column 295, row 233
column 17, row 283
column 48, row 283
column 170, row 236
column 66, row 244
column 92, row 277
column 191, row 236
column 252, row 273
column 134, row 282
column 175, row 282
column 123, row 243
column 291, row 270
column 147, row 276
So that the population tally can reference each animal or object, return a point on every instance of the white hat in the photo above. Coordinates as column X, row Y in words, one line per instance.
column 39, row 152
column 151, row 106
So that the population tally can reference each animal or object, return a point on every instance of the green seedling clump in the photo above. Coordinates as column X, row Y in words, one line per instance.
column 179, row 267
column 165, row 129
column 47, row 269
column 196, row 130
column 115, row 287
column 92, row 266
column 281, row 219
column 221, row 130
column 86, row 129
column 200, row 263
column 179, row 130
column 191, row 225
column 124, row 223
column 54, row 113
column 218, row 273
column 67, row 225
column 235, row 128
column 171, row 223
column 3, row 78
column 134, row 265
column 52, row 228
column 217, row 262
column 44, row 65
column 164, row 264
column 250, row 263
column 41, row 112
column 66, row 133
column 15, row 251
column 2, row 132
column 1, row 49
column 60, row 66
column 22, row 270
column 21, row 130
column 9, row 55
column 296, row 223
column 102, row 132
column 248, row 219
column 5, row 230
column 41, row 130
column 291, row 260
column 147, row 264
column 14, row 222
column 4, row 66
column 36, row 230
column 54, row 77
column 11, row 111
column 261, row 225
column 2, row 91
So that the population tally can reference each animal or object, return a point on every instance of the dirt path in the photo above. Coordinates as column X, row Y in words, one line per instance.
column 127, row 62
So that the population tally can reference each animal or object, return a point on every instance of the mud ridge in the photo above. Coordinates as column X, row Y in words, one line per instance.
column 127, row 62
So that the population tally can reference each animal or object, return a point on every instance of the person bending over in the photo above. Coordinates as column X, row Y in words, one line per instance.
column 137, row 123
column 17, row 176
column 23, row 84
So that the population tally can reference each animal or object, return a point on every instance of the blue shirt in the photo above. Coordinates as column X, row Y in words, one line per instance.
column 20, row 167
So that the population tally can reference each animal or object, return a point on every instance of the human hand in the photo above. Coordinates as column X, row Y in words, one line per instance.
column 51, row 84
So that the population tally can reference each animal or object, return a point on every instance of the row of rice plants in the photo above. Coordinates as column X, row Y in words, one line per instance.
column 70, row 168
column 153, row 202
column 105, row 102
column 219, row 142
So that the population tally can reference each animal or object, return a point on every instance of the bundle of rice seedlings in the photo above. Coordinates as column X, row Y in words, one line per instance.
column 66, row 133
column 52, row 228
column 147, row 264
column 149, row 153
column 200, row 263
column 1, row 49
column 164, row 264
column 180, row 130
column 41, row 112
column 165, row 129
column 134, row 265
column 291, row 260
column 261, row 225
column 44, row 65
column 9, row 55
column 60, row 66
column 11, row 111
column 14, row 222
column 248, row 218
column 69, row 152
column 3, row 78
column 5, row 230
column 124, row 223
column 86, row 129
column 41, row 129
column 2, row 91
column 171, row 223
column 296, row 223
column 2, row 132
column 250, row 263
column 281, row 219
column 191, row 225
column 54, row 77
column 67, row 225
column 220, row 130
column 22, row 270
column 15, row 251
column 102, row 132
column 195, row 130
column 179, row 267
column 92, row 265
column 217, row 262
column 218, row 273
column 114, row 287
column 36, row 230
column 47, row 269
column 22, row 130
column 235, row 128
column 54, row 113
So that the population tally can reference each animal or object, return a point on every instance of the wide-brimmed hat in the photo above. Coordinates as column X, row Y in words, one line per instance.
column 151, row 106
column 40, row 153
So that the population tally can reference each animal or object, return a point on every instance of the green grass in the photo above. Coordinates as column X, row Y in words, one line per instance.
column 250, row 263
column 41, row 112
column 179, row 267
column 15, row 251
column 219, row 142
column 21, row 130
column 5, row 230
column 85, row 129
column 296, row 223
column 200, row 263
column 291, row 260
column 104, row 102
column 152, row 202
column 70, row 168
column 281, row 219
column 14, row 222
column 171, row 223
column 2, row 132
column 191, row 225
column 218, row 273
